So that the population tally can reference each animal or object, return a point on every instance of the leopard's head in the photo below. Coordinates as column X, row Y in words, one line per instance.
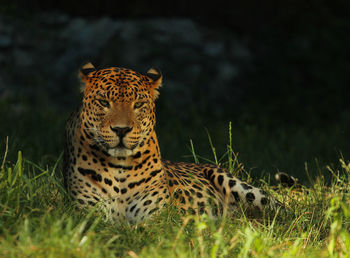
column 118, row 110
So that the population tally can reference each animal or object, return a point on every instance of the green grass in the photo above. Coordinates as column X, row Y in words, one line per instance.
column 37, row 219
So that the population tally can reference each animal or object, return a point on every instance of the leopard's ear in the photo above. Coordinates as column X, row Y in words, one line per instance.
column 156, row 77
column 85, row 72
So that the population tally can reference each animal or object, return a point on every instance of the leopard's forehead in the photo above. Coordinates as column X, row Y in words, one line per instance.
column 120, row 84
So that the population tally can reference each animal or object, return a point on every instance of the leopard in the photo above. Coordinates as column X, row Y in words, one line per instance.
column 112, row 158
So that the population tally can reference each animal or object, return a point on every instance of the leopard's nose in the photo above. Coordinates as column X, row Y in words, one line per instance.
column 121, row 131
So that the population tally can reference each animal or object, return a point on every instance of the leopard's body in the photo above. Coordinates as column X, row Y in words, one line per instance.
column 112, row 156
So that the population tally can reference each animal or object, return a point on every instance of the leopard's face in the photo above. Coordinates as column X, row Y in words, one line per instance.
column 118, row 111
column 119, row 127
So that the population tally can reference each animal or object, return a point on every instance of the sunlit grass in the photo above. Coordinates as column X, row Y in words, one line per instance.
column 38, row 219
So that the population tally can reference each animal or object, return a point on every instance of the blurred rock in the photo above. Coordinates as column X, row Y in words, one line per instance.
column 192, row 57
column 5, row 41
column 5, row 34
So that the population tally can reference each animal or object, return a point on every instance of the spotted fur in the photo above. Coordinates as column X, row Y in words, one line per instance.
column 112, row 156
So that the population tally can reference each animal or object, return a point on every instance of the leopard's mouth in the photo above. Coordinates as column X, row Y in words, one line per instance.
column 121, row 150
column 121, row 145
column 117, row 150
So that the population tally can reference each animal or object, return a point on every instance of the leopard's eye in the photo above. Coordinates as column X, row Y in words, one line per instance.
column 138, row 104
column 104, row 103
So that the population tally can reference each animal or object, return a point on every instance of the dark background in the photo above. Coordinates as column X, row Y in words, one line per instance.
column 279, row 70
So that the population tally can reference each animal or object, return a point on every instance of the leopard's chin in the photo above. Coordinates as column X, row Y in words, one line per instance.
column 120, row 152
